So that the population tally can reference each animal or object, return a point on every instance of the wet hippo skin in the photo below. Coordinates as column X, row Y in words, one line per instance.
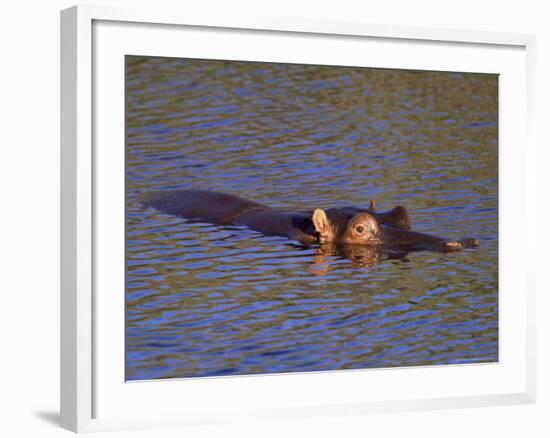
column 348, row 225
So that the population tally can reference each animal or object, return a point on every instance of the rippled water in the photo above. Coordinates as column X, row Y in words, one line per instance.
column 207, row 300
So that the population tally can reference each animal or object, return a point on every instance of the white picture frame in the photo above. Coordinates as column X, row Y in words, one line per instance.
column 90, row 399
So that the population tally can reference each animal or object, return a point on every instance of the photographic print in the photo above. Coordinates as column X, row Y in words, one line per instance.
column 286, row 218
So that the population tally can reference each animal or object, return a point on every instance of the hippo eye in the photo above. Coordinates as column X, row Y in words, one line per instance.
column 360, row 229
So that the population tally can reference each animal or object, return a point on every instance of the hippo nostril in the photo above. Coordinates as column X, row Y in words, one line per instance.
column 453, row 246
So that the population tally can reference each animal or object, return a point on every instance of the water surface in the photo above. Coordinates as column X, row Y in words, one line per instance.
column 205, row 300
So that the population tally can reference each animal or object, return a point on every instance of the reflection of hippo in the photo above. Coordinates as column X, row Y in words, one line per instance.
column 350, row 225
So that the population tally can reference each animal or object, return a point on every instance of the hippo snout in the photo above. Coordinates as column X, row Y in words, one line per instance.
column 459, row 245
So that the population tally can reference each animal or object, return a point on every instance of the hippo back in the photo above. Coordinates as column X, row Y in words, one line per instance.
column 213, row 207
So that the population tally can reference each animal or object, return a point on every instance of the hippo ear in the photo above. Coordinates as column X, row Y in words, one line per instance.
column 372, row 206
column 320, row 221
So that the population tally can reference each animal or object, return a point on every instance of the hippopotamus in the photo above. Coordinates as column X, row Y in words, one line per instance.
column 345, row 225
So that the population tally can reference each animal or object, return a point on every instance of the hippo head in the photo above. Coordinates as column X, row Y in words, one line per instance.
column 342, row 226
